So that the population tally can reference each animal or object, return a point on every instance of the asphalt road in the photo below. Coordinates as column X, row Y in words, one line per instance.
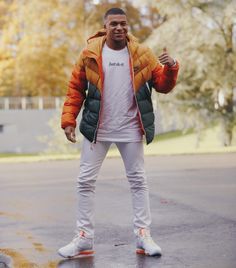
column 193, row 208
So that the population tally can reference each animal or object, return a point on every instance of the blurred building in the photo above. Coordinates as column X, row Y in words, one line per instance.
column 24, row 120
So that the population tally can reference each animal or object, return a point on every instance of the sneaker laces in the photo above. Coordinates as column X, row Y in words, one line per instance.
column 145, row 234
column 78, row 235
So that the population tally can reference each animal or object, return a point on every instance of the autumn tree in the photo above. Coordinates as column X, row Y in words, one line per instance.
column 41, row 40
column 200, row 34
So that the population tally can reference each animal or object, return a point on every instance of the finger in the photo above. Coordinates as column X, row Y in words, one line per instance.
column 69, row 135
column 73, row 138
column 164, row 61
column 163, row 57
column 164, row 53
column 164, row 49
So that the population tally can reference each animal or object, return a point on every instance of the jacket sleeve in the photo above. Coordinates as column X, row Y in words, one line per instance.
column 163, row 77
column 75, row 95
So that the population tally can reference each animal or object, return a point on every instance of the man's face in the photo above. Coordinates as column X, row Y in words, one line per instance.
column 116, row 27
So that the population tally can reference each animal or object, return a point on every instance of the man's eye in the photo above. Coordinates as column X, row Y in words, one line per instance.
column 113, row 24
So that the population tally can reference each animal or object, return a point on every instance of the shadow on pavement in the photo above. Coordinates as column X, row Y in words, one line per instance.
column 86, row 262
column 145, row 261
column 89, row 262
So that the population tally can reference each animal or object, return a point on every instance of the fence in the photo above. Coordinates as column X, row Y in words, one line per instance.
column 38, row 103
column 30, row 103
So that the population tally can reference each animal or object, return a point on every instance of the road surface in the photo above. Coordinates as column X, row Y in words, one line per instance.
column 193, row 209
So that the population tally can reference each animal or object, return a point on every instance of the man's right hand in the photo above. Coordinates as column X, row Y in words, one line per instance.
column 70, row 133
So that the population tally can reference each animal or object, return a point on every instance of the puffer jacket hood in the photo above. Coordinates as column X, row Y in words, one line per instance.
column 102, row 33
column 96, row 41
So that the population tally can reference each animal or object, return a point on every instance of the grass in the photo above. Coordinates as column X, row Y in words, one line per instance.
column 7, row 155
column 171, row 135
column 187, row 144
column 172, row 143
column 9, row 158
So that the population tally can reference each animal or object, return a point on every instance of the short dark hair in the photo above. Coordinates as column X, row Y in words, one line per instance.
column 114, row 11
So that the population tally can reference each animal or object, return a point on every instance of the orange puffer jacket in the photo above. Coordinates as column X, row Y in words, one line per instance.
column 86, row 84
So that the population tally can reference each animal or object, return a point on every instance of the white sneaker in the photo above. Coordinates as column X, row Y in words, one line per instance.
column 146, row 245
column 79, row 246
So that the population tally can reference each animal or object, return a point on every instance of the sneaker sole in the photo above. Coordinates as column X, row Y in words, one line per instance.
column 85, row 253
column 142, row 252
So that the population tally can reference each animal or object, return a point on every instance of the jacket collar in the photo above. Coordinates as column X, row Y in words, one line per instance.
column 96, row 41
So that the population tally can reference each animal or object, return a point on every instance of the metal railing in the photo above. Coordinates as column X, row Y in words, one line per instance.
column 38, row 103
column 31, row 103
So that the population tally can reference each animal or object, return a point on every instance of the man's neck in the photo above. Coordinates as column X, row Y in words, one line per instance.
column 116, row 45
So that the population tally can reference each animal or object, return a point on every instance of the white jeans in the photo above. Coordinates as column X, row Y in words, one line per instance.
column 90, row 163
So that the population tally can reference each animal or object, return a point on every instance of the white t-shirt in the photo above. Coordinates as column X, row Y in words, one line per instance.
column 119, row 114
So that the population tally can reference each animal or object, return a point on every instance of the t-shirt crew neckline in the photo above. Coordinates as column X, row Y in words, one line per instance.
column 114, row 50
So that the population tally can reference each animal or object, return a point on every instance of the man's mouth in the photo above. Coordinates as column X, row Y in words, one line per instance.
column 119, row 34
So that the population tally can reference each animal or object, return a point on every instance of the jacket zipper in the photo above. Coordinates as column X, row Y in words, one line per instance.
column 132, row 78
column 148, row 87
column 99, row 113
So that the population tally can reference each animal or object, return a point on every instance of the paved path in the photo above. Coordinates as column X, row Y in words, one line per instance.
column 192, row 201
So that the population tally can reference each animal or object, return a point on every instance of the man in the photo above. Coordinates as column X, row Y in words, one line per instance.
column 114, row 76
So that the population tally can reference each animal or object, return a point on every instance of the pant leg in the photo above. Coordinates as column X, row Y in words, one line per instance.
column 92, row 156
column 133, row 157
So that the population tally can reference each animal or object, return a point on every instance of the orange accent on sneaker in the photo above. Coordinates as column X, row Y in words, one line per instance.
column 140, row 251
column 81, row 254
column 87, row 252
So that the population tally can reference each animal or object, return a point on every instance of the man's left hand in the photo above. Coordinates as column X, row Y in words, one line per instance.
column 165, row 59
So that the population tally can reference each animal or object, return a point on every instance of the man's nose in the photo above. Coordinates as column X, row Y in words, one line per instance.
column 118, row 26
